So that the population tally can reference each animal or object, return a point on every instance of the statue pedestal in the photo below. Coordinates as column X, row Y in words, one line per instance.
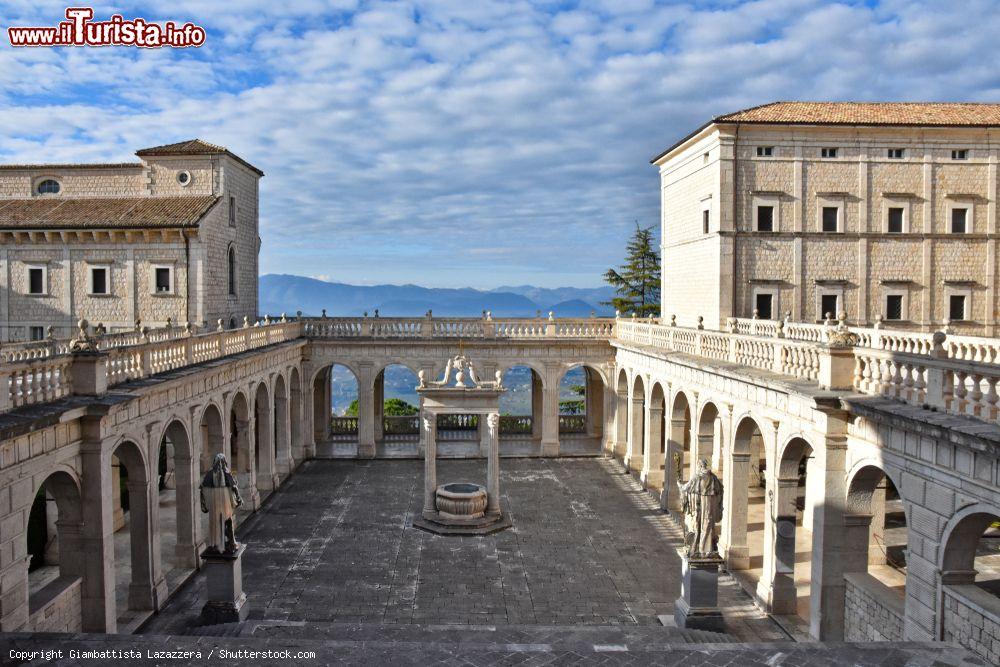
column 698, row 606
column 227, row 603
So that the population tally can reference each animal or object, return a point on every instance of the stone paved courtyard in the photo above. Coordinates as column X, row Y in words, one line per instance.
column 589, row 547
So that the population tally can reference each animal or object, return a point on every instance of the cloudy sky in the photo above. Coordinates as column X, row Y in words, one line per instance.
column 469, row 142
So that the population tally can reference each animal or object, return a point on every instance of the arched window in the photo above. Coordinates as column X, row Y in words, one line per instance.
column 48, row 187
column 232, row 271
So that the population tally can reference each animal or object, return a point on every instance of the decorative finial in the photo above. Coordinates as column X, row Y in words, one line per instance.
column 701, row 322
column 673, row 320
column 170, row 323
column 283, row 318
column 82, row 342
column 246, row 321
column 219, row 325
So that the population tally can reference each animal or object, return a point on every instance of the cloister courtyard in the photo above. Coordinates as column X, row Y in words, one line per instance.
column 335, row 544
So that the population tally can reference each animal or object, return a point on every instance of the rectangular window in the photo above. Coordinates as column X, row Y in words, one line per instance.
column 956, row 307
column 163, row 280
column 828, row 306
column 765, row 151
column 894, row 307
column 232, row 211
column 828, row 152
column 36, row 280
column 98, row 280
column 36, row 333
column 959, row 220
column 764, row 305
column 895, row 154
column 704, row 220
column 765, row 218
column 895, row 221
column 830, row 215
column 960, row 154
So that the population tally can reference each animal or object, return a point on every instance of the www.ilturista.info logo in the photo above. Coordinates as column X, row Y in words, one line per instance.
column 80, row 30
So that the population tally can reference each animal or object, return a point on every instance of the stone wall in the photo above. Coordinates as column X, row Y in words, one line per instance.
column 59, row 609
column 83, row 181
column 873, row 612
column 972, row 619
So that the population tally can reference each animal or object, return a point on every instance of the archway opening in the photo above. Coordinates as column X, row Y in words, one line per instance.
column 239, row 455
column 581, row 410
column 709, row 445
column 621, row 416
column 295, row 415
column 792, row 540
column 264, row 453
column 397, row 406
column 637, row 426
column 335, row 410
column 55, row 568
column 282, row 430
column 742, row 539
column 176, row 486
column 212, row 442
column 135, row 571
column 677, row 464
column 970, row 578
column 521, row 406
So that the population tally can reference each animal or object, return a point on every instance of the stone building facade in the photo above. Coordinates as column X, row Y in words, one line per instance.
column 172, row 236
column 878, row 210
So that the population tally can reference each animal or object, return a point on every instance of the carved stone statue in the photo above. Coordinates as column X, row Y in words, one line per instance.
column 444, row 378
column 220, row 496
column 701, row 501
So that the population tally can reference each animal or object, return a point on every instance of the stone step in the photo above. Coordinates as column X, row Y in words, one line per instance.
column 587, row 639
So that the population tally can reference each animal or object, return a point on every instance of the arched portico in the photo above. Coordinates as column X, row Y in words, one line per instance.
column 655, row 438
column 177, row 490
column 621, row 415
column 678, row 456
column 742, row 488
column 637, row 426
column 283, row 462
column 263, row 448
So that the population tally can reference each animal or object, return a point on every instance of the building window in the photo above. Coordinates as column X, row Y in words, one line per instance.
column 894, row 307
column 184, row 178
column 828, row 152
column 960, row 154
column 765, row 151
column 232, row 211
column 705, row 216
column 764, row 305
column 895, row 154
column 828, row 306
column 959, row 220
column 36, row 279
column 895, row 220
column 99, row 280
column 36, row 333
column 704, row 158
column 765, row 218
column 163, row 280
column 232, row 272
column 48, row 187
column 830, row 218
column 956, row 307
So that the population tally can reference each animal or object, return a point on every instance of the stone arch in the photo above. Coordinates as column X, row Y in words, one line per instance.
column 621, row 413
column 591, row 422
column 637, row 424
column 263, row 438
column 957, row 553
column 147, row 588
column 212, row 434
column 744, row 498
column 239, row 450
column 681, row 417
column 710, row 437
column 519, row 425
column 869, row 485
column 791, row 585
column 282, row 427
column 56, row 512
column 177, row 488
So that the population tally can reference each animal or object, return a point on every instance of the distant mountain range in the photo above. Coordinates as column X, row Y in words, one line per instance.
column 282, row 293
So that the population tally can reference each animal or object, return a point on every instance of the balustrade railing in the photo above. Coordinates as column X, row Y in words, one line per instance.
column 515, row 425
column 401, row 425
column 344, row 425
column 458, row 328
column 572, row 423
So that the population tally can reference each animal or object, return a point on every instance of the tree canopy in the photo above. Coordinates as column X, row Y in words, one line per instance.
column 637, row 281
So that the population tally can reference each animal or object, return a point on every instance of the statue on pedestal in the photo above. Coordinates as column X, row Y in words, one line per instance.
column 220, row 496
column 701, row 501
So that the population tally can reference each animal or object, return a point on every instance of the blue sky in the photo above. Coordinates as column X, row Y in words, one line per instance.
column 452, row 142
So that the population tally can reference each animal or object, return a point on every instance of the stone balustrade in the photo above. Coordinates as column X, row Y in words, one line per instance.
column 458, row 328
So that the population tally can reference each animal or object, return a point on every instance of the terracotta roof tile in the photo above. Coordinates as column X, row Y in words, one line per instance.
column 100, row 213
column 959, row 114
column 194, row 147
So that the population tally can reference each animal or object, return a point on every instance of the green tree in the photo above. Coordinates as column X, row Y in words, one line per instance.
column 352, row 409
column 637, row 282
column 397, row 407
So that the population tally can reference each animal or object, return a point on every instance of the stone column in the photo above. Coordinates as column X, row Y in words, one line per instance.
column 282, row 437
column 810, row 491
column 718, row 445
column 733, row 540
column 652, row 460
column 782, row 595
column 246, row 439
column 188, row 509
column 265, row 454
column 378, row 405
column 550, row 419
column 366, row 413
column 593, row 403
column 97, row 543
column 834, row 543
column 428, row 421
column 147, row 590
column 537, row 406
column 493, row 463
column 635, row 435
